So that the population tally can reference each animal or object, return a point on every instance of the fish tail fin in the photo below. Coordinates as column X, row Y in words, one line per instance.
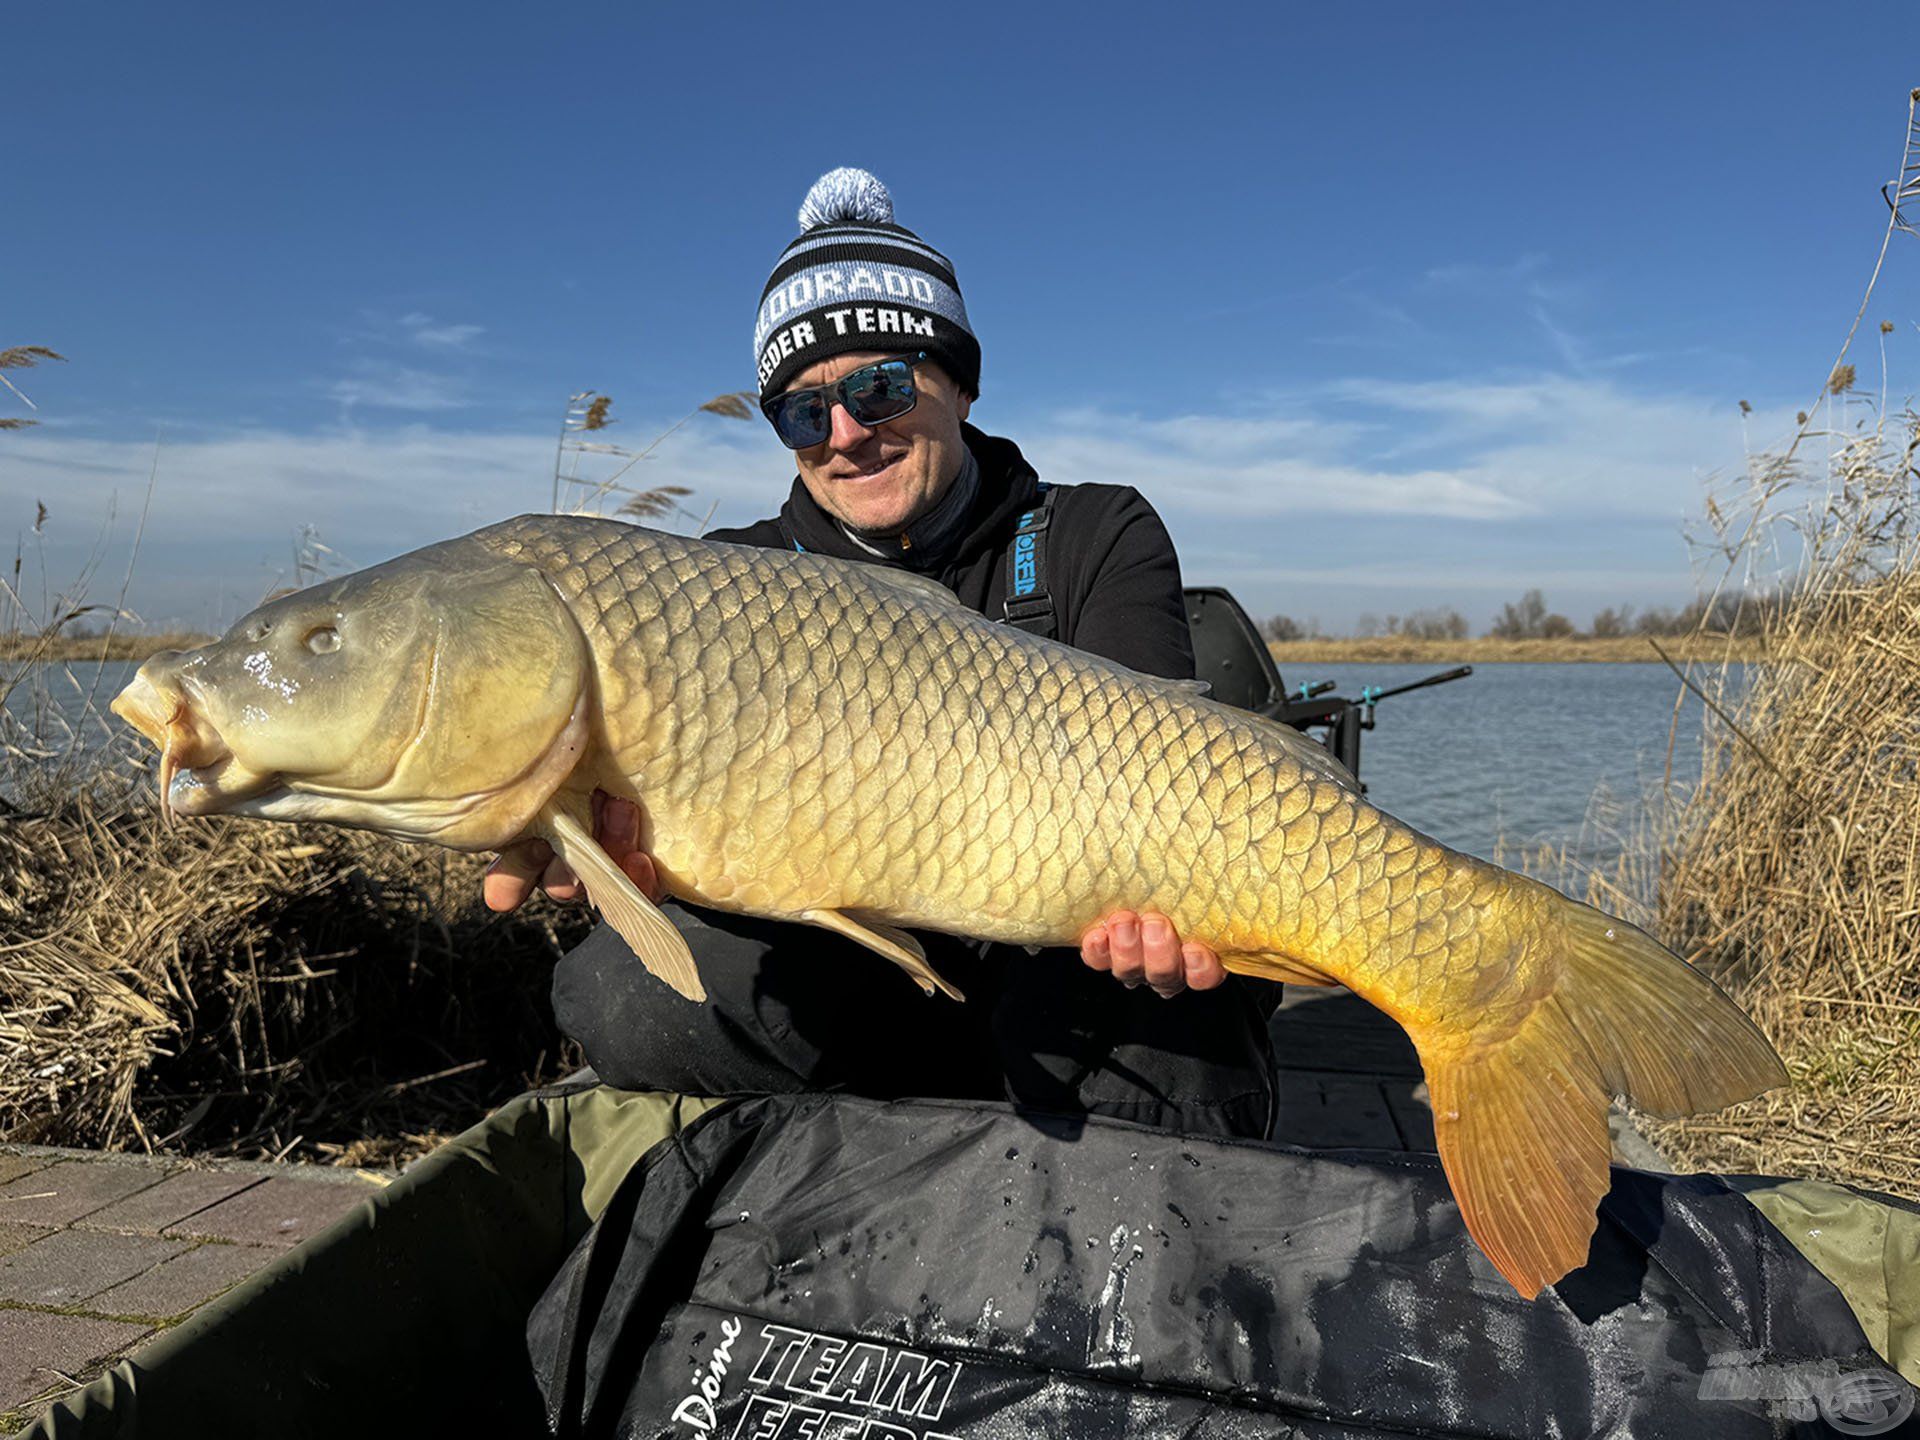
column 1521, row 1118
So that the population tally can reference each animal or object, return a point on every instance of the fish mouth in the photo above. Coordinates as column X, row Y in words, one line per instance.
column 211, row 788
column 199, row 773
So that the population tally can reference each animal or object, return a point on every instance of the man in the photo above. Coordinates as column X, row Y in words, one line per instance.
column 868, row 372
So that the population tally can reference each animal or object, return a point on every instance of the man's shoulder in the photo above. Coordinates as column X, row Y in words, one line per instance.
column 1096, row 516
column 766, row 534
column 1093, row 500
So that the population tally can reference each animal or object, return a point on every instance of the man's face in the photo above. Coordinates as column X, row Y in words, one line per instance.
column 881, row 478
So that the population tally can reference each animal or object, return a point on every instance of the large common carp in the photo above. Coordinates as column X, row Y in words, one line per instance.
column 851, row 747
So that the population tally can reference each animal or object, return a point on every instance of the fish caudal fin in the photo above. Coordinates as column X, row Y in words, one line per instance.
column 1521, row 1119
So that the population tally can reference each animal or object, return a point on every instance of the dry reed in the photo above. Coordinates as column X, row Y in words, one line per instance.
column 1792, row 871
column 257, row 990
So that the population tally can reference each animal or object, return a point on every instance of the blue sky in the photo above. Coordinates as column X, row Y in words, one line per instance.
column 1383, row 306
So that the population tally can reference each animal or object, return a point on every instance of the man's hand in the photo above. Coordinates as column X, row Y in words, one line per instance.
column 1144, row 948
column 616, row 825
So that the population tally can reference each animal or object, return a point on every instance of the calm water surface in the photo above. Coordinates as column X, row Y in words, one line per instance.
column 1512, row 756
column 1509, row 757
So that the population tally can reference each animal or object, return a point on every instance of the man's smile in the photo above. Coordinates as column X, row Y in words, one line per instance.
column 878, row 470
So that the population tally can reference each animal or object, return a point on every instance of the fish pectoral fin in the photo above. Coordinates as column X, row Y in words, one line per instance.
column 897, row 945
column 661, row 948
column 1264, row 965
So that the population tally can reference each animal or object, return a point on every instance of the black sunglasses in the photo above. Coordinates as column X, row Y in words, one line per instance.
column 873, row 393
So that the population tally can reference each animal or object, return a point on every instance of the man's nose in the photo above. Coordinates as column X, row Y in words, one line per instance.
column 848, row 433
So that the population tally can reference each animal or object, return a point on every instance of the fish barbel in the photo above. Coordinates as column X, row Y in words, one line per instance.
column 849, row 746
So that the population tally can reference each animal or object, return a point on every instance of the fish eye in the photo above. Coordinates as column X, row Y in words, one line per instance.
column 324, row 640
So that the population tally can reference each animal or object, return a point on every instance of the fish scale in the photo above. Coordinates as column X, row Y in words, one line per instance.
column 846, row 745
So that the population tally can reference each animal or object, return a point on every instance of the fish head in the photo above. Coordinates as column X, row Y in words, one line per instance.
column 442, row 696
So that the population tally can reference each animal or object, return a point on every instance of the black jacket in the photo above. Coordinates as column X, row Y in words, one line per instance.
column 1111, row 568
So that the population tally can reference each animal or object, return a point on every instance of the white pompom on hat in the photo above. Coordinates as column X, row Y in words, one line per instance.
column 844, row 195
column 855, row 279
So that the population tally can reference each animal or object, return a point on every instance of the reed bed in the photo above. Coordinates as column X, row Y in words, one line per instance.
column 253, row 990
column 1792, row 871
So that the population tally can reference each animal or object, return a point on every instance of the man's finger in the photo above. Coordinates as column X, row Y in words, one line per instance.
column 510, row 878
column 560, row 883
column 639, row 867
column 1161, row 961
column 1123, row 935
column 619, row 825
column 1096, row 948
column 1204, row 970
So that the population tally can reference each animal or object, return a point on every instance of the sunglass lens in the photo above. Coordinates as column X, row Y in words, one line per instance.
column 801, row 419
column 880, row 392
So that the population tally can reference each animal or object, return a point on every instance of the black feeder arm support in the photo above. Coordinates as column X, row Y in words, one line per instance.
column 1239, row 669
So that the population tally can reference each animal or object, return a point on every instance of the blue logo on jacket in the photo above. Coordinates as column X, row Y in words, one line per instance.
column 1025, row 571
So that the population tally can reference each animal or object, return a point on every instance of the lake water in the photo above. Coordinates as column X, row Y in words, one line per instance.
column 56, row 708
column 1511, row 757
column 1508, row 758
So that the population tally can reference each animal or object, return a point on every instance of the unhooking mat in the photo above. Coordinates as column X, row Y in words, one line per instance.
column 813, row 1268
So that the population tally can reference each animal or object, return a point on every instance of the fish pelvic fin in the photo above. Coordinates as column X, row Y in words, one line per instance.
column 1521, row 1119
column 897, row 945
column 647, row 931
column 1263, row 965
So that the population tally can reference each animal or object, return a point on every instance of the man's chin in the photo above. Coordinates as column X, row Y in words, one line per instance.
column 875, row 505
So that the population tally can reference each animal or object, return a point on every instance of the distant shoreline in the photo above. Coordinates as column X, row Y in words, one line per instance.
column 1621, row 649
column 23, row 645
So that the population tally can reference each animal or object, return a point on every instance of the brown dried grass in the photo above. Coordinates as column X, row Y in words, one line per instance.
column 232, row 988
column 1792, row 872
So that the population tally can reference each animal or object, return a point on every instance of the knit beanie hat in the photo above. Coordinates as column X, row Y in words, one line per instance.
column 854, row 280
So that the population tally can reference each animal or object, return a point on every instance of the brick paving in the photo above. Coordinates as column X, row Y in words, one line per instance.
column 12, row 1167
column 276, row 1212
column 39, row 1351
column 62, row 1193
column 172, row 1201
column 73, row 1265
column 183, row 1284
column 99, row 1252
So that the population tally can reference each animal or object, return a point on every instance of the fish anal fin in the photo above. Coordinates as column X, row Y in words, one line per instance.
column 652, row 937
column 897, row 945
column 1263, row 965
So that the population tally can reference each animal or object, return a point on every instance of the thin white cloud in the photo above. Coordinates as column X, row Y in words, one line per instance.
column 1376, row 494
column 1467, row 450
column 1192, row 463
column 425, row 331
column 226, row 507
column 381, row 385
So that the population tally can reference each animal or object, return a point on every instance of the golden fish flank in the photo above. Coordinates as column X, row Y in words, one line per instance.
column 850, row 747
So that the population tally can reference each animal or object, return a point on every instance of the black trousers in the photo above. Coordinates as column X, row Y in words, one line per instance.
column 793, row 1007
